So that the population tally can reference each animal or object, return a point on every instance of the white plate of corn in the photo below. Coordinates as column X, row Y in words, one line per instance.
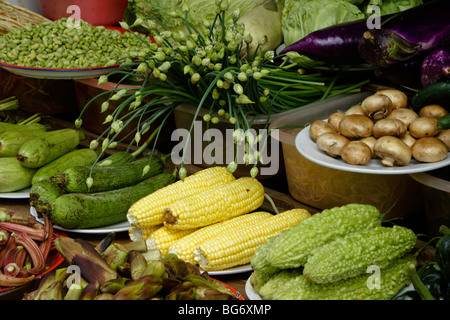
column 233, row 270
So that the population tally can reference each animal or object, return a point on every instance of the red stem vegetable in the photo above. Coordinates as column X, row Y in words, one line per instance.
column 5, row 249
column 4, row 236
column 25, row 251
column 34, row 252
column 36, row 233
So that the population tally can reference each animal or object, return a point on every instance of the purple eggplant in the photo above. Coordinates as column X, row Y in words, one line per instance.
column 407, row 34
column 336, row 44
column 436, row 66
column 405, row 73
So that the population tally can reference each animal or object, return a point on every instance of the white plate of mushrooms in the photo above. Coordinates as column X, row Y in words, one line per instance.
column 393, row 139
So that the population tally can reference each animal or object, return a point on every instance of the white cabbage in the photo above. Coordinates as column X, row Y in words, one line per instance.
column 199, row 10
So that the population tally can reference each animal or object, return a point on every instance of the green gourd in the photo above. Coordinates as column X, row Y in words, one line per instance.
column 355, row 253
column 14, row 176
column 38, row 152
column 291, row 284
column 292, row 247
column 73, row 180
column 90, row 210
column 11, row 141
column 77, row 157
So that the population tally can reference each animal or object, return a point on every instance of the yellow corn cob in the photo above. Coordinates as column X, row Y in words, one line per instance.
column 162, row 238
column 184, row 247
column 149, row 211
column 238, row 247
column 138, row 233
column 216, row 204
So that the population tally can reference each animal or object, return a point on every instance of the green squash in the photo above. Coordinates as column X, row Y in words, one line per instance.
column 14, row 176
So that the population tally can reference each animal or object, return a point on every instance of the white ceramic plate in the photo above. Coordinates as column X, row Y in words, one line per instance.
column 250, row 292
column 58, row 74
column 309, row 150
column 234, row 270
column 118, row 227
column 20, row 194
column 253, row 295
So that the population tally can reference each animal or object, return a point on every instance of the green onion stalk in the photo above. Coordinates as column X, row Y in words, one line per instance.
column 204, row 66
column 11, row 103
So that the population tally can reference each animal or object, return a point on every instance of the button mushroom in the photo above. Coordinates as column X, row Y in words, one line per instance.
column 398, row 98
column 429, row 149
column 318, row 127
column 444, row 136
column 408, row 139
column 370, row 141
column 406, row 115
column 389, row 127
column 331, row 143
column 392, row 151
column 432, row 110
column 377, row 106
column 356, row 152
column 356, row 126
column 424, row 127
column 335, row 118
column 356, row 109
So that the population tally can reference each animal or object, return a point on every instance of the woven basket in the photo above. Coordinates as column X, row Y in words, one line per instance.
column 13, row 17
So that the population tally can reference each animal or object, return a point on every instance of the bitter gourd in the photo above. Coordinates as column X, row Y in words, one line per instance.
column 351, row 255
column 264, row 271
column 292, row 247
column 291, row 284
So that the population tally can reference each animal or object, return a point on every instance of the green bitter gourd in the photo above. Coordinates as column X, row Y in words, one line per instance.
column 291, row 284
column 264, row 271
column 351, row 255
column 292, row 247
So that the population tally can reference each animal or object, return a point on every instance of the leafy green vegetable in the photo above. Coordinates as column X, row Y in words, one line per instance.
column 355, row 2
column 390, row 6
column 199, row 10
column 301, row 17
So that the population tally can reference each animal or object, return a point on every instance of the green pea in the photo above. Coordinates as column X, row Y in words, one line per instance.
column 54, row 38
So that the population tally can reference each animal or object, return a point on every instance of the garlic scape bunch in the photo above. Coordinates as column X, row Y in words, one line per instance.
column 207, row 66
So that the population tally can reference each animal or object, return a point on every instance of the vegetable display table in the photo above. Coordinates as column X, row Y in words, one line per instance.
column 236, row 281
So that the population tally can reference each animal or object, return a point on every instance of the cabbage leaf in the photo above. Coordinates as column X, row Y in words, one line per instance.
column 390, row 6
column 199, row 10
